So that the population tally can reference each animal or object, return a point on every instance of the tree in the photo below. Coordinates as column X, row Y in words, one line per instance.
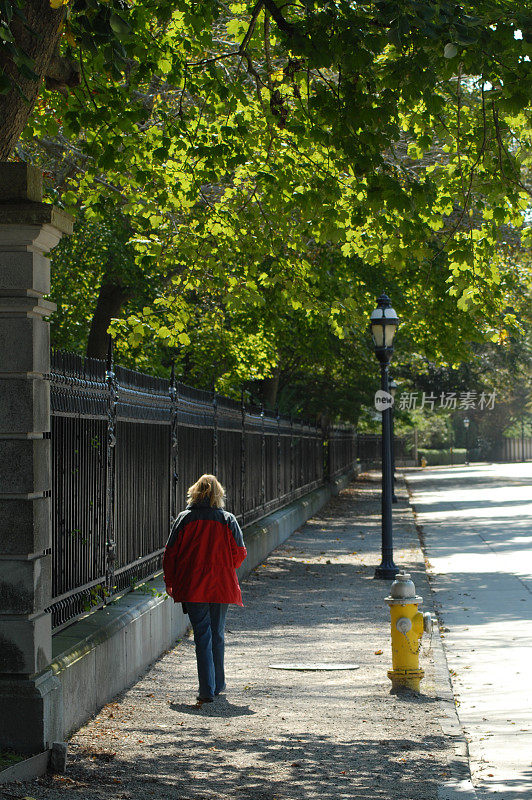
column 253, row 150
column 29, row 36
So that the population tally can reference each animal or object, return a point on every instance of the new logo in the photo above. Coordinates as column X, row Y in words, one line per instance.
column 383, row 400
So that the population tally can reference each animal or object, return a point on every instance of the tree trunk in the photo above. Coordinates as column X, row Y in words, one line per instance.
column 38, row 39
column 270, row 389
column 110, row 301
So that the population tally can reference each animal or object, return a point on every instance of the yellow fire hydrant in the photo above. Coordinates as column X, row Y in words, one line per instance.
column 408, row 625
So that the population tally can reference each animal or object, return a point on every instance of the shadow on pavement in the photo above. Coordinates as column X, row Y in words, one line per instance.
column 291, row 767
column 220, row 707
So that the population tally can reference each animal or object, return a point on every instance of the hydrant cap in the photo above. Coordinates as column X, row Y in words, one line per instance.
column 403, row 590
column 403, row 586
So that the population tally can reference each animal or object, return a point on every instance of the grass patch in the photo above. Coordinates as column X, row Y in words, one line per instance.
column 8, row 759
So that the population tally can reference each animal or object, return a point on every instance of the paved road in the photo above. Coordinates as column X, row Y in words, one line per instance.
column 477, row 523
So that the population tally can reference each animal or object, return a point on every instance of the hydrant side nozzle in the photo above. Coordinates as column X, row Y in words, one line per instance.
column 417, row 624
column 403, row 624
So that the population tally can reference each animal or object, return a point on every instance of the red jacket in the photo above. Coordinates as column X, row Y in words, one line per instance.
column 204, row 549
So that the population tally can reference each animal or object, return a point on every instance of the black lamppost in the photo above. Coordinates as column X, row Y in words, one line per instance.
column 466, row 426
column 393, row 389
column 383, row 324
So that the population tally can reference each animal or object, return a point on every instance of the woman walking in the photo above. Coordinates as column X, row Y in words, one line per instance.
column 204, row 549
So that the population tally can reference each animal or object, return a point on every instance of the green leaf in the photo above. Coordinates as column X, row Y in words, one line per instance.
column 450, row 50
column 69, row 198
column 465, row 35
column 160, row 153
column 28, row 73
column 5, row 84
column 119, row 25
column 6, row 10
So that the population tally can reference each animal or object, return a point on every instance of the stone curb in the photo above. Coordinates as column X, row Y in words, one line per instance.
column 459, row 786
column 32, row 767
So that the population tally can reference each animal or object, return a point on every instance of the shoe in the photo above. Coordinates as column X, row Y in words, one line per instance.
column 204, row 699
column 220, row 691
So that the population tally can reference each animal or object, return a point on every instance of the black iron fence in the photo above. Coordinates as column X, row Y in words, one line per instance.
column 125, row 447
column 369, row 451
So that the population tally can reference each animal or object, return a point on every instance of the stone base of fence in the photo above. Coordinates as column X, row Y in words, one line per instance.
column 37, row 701
column 29, row 229
column 99, row 656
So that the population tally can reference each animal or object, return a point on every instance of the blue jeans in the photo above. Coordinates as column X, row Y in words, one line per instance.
column 208, row 624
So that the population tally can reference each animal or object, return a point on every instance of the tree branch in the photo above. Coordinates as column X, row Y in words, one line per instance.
column 281, row 22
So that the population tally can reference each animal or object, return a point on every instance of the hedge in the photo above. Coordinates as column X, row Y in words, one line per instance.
column 442, row 457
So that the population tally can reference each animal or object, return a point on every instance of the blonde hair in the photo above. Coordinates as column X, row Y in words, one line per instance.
column 208, row 487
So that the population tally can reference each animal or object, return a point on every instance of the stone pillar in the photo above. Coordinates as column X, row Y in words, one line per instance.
column 30, row 701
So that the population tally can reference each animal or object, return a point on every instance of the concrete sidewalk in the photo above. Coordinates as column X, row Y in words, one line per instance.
column 278, row 735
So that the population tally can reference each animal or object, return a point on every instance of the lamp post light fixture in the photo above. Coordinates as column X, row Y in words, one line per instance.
column 393, row 389
column 383, row 324
column 466, row 426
